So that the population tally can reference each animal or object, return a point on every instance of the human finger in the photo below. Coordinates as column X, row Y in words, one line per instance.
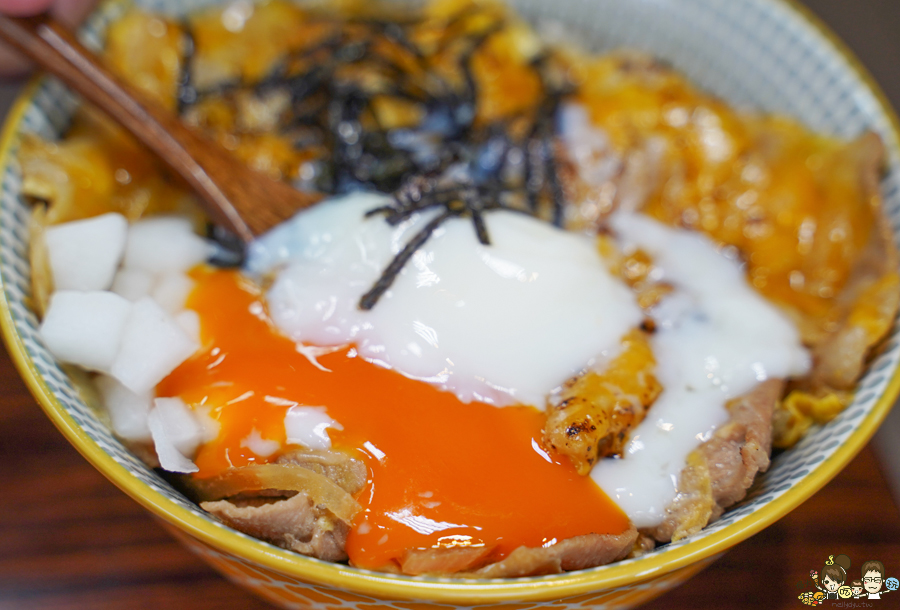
column 21, row 8
column 68, row 12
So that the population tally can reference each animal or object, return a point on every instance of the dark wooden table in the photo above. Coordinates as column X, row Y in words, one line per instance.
column 69, row 540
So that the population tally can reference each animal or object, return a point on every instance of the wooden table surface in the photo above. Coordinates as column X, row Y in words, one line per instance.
column 69, row 540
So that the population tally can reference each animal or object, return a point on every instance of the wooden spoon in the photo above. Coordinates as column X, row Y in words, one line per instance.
column 244, row 201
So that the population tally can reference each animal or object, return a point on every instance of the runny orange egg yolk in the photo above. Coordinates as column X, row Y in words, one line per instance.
column 442, row 473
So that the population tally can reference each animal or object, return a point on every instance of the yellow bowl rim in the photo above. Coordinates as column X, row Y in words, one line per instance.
column 431, row 589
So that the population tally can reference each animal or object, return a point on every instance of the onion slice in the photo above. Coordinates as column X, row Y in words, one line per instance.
column 260, row 477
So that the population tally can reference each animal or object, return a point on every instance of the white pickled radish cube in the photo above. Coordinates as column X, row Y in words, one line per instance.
column 209, row 425
column 133, row 284
column 84, row 254
column 127, row 411
column 189, row 321
column 172, row 290
column 308, row 426
column 164, row 244
column 85, row 328
column 259, row 445
column 153, row 344
column 176, row 434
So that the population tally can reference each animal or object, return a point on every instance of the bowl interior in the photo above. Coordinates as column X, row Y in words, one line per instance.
column 762, row 54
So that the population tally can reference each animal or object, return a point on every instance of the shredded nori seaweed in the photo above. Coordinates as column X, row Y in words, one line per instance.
column 187, row 93
column 447, row 162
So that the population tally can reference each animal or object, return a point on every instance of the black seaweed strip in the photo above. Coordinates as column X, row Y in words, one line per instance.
column 187, row 93
column 466, row 60
column 302, row 86
column 345, row 104
column 387, row 30
column 399, row 36
column 502, row 132
column 405, row 88
column 398, row 216
column 335, row 113
column 310, row 119
column 549, row 130
column 278, row 76
column 379, row 22
column 390, row 273
column 395, row 32
column 340, row 161
column 407, row 92
column 327, row 44
column 221, row 89
column 480, row 228
column 534, row 183
column 556, row 189
column 471, row 93
column 541, row 138
column 454, row 21
column 384, row 209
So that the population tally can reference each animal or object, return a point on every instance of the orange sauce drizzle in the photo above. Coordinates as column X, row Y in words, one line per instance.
column 441, row 473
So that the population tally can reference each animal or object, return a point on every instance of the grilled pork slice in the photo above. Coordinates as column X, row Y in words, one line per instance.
column 444, row 560
column 598, row 409
column 303, row 502
column 347, row 472
column 576, row 553
column 293, row 523
column 719, row 472
column 861, row 315
column 804, row 211
column 313, row 515
column 869, row 301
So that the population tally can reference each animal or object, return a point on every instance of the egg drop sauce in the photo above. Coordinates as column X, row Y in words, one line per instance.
column 801, row 208
column 442, row 473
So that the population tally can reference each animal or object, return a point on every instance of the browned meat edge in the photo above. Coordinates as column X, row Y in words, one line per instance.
column 840, row 358
column 720, row 471
column 577, row 553
column 292, row 521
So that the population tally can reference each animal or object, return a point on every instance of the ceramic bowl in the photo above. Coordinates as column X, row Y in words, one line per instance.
column 765, row 54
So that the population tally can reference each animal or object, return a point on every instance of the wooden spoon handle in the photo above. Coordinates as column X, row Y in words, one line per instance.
column 236, row 197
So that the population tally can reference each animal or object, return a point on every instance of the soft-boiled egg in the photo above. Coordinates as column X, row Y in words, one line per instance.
column 503, row 323
column 442, row 473
column 416, row 384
